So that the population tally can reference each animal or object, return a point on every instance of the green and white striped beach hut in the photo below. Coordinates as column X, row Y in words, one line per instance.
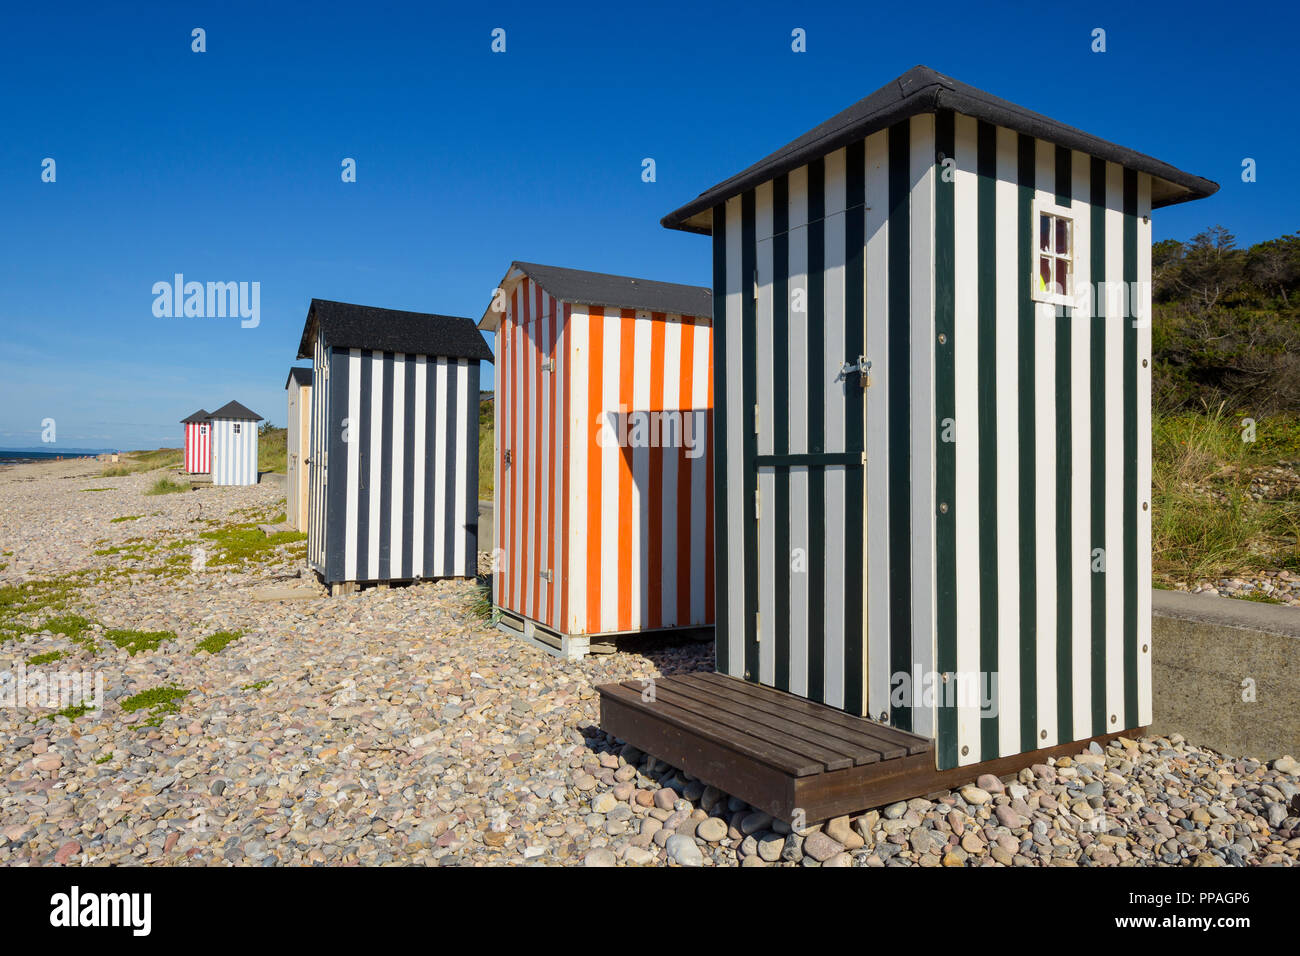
column 932, row 404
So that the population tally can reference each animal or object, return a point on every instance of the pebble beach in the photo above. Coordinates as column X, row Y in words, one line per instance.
column 249, row 719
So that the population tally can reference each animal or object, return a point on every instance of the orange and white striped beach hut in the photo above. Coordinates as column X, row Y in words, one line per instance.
column 603, row 456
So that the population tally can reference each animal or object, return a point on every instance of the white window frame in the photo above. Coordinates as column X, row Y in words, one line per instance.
column 1046, row 295
column 236, row 428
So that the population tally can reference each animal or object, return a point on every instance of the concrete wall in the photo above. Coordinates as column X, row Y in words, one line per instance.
column 1204, row 648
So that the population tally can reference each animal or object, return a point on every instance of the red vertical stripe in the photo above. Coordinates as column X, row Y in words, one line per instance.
column 539, row 455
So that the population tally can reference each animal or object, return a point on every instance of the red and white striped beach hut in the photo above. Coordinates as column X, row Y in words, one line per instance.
column 198, row 443
column 603, row 475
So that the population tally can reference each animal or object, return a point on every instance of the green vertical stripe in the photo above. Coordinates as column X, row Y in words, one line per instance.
column 1130, row 455
column 816, row 301
column 748, row 441
column 1064, row 492
column 721, row 587
column 855, row 334
column 986, row 252
column 780, row 628
column 902, row 657
column 945, row 412
column 1097, row 422
column 1027, row 242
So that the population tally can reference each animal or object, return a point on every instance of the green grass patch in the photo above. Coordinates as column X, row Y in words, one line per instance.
column 40, row 659
column 126, row 518
column 257, row 685
column 1207, row 521
column 18, row 601
column 165, row 486
column 1258, row 596
column 216, row 643
column 240, row 543
column 134, row 462
column 134, row 642
column 159, row 701
column 72, row 713
column 272, row 449
column 96, row 489
column 104, row 759
column 481, row 604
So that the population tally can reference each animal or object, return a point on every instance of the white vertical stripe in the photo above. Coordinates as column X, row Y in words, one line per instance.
column 559, row 570
column 545, row 503
column 1116, row 326
column 613, row 537
column 518, row 353
column 798, row 387
column 1081, row 457
column 1010, row 268
column 352, row 428
column 418, row 449
column 640, row 529
column 529, row 455
column 877, row 416
column 1045, row 470
column 921, row 298
column 667, row 503
column 465, row 414
column 965, row 374
column 579, row 418
column 397, row 566
column 1143, row 570
column 375, row 489
column 439, row 503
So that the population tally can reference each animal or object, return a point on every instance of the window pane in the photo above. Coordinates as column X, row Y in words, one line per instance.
column 1044, row 273
column 1062, row 237
column 1063, row 275
column 1045, row 233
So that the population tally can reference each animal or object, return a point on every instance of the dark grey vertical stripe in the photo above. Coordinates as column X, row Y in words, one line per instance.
column 359, row 432
column 721, row 586
column 453, row 522
column 432, row 435
column 816, row 303
column 471, row 477
column 336, row 487
column 385, row 572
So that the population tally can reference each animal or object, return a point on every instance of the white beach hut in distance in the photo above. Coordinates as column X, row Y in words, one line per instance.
column 234, row 445
column 198, row 443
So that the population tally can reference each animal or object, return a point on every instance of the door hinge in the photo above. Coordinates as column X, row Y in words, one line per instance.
column 756, row 419
column 548, row 365
column 864, row 458
column 758, row 504
column 758, row 626
column 505, row 456
column 545, row 576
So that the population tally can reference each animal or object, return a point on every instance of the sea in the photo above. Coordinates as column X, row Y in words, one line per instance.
column 14, row 456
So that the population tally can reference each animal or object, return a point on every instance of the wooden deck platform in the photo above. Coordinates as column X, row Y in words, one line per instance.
column 778, row 752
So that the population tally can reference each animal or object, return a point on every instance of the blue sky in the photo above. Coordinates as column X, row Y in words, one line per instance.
column 225, row 165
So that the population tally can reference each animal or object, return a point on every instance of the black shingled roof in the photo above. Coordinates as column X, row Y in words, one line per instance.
column 922, row 90
column 347, row 326
column 236, row 412
column 298, row 374
column 199, row 416
column 618, row 292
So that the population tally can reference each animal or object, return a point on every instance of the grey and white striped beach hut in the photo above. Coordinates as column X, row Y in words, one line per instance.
column 394, row 443
column 971, row 513
column 234, row 445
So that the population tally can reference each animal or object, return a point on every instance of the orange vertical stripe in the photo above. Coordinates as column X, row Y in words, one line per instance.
column 512, row 556
column 653, row 503
column 595, row 372
column 626, row 395
column 539, row 322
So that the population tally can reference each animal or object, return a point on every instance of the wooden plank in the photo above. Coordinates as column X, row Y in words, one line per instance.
column 788, row 762
column 714, row 711
column 859, row 734
column 860, row 748
column 758, row 784
column 893, row 742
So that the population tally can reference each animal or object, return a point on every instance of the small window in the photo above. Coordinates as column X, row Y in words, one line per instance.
column 236, row 428
column 203, row 429
column 1054, row 276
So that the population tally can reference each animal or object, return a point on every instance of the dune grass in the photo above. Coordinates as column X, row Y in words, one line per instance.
column 273, row 449
column 486, row 450
column 133, row 462
column 165, row 486
column 1206, row 523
